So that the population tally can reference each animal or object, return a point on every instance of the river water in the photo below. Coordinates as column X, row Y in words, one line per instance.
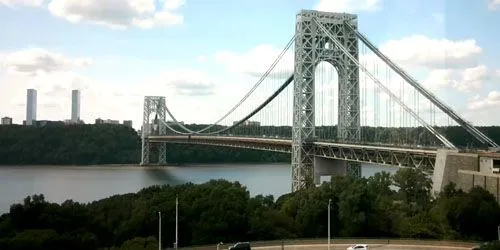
column 84, row 184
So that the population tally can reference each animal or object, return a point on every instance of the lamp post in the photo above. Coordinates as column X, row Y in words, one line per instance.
column 176, row 221
column 159, row 230
column 329, row 204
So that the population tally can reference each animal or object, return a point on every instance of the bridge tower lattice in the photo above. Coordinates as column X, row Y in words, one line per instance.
column 153, row 105
column 312, row 46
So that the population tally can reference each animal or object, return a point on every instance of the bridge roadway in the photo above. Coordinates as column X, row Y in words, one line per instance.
column 370, row 154
column 371, row 246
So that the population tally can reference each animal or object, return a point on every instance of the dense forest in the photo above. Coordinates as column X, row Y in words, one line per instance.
column 223, row 211
column 118, row 144
column 105, row 144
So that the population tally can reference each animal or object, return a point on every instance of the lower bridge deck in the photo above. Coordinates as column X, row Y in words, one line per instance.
column 369, row 154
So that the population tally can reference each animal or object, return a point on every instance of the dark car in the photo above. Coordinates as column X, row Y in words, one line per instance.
column 241, row 246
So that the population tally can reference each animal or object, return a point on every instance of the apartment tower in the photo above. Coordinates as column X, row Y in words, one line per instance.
column 31, row 107
column 75, row 106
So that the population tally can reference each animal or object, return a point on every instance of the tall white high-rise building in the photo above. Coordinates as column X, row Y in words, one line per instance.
column 75, row 105
column 31, row 107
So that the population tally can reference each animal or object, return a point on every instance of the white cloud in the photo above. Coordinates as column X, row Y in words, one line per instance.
column 187, row 82
column 438, row 78
column 422, row 51
column 490, row 101
column 173, row 4
column 32, row 61
column 467, row 80
column 118, row 13
column 493, row 4
column 473, row 78
column 25, row 3
column 348, row 5
column 257, row 61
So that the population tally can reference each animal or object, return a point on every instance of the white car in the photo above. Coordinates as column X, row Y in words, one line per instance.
column 358, row 247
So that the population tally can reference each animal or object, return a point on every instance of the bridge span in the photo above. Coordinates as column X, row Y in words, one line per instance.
column 368, row 154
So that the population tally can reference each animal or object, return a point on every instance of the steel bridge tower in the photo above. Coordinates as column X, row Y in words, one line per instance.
column 311, row 47
column 153, row 105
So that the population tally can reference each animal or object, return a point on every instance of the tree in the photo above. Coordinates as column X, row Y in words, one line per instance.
column 220, row 210
column 414, row 186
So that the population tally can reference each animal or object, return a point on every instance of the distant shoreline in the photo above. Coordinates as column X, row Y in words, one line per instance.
column 137, row 166
column 103, row 166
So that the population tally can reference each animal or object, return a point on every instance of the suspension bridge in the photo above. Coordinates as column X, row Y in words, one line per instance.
column 333, row 101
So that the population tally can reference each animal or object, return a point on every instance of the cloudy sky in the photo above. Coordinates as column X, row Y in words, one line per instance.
column 204, row 54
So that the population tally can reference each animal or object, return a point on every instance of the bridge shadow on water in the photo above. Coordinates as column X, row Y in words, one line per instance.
column 161, row 175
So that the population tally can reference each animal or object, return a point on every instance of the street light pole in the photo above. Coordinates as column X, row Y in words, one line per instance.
column 329, row 204
column 176, row 221
column 159, row 230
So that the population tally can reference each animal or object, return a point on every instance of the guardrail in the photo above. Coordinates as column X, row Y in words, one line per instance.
column 341, row 241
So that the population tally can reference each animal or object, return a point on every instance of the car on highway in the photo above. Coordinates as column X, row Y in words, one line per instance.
column 241, row 246
column 358, row 247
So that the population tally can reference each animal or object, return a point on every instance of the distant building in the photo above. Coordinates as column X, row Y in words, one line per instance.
column 248, row 123
column 107, row 121
column 6, row 120
column 127, row 123
column 31, row 102
column 174, row 123
column 69, row 121
column 252, row 123
column 75, row 105
column 43, row 123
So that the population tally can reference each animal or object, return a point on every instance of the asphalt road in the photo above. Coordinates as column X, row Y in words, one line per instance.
column 374, row 246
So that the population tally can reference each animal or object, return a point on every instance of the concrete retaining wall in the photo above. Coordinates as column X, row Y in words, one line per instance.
column 468, row 179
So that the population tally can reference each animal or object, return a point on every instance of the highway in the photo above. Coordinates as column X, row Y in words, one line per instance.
column 370, row 246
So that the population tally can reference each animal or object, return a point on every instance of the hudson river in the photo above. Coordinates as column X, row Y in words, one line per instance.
column 84, row 184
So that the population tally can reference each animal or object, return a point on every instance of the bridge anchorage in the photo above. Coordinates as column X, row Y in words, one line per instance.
column 391, row 122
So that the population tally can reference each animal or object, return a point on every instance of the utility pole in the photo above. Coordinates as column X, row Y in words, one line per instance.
column 329, row 204
column 176, row 221
column 159, row 230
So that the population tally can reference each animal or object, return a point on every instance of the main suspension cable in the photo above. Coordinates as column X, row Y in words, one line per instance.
column 255, row 111
column 263, row 77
